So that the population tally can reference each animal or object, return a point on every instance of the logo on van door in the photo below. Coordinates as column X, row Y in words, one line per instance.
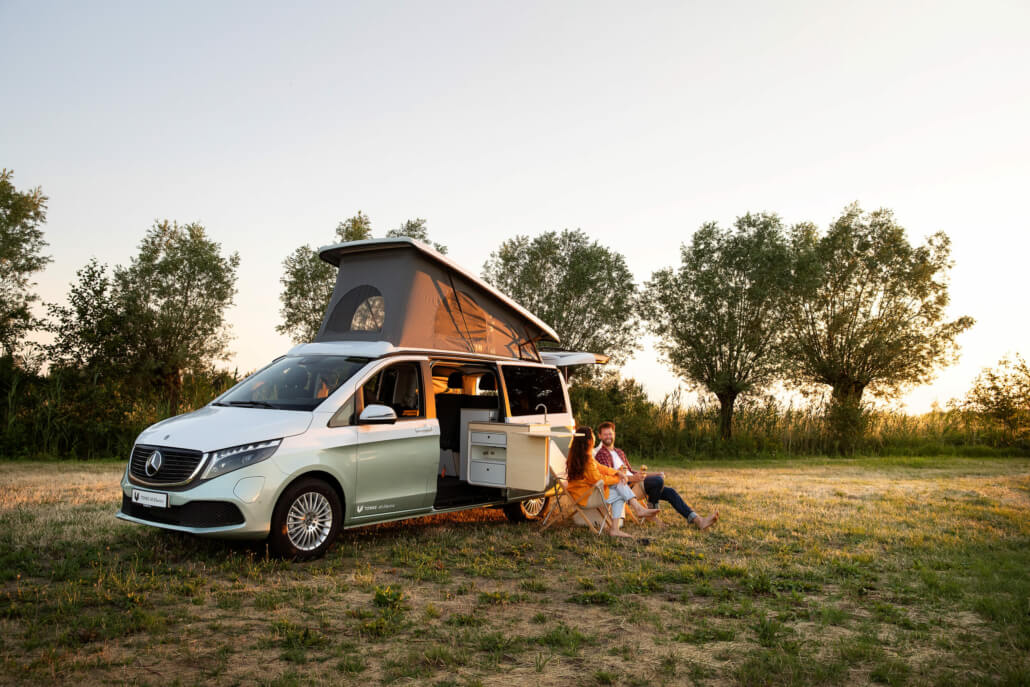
column 378, row 506
column 153, row 463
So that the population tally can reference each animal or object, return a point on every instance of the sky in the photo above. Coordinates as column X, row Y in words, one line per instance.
column 269, row 123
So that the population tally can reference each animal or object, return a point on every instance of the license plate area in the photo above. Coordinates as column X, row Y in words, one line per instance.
column 151, row 499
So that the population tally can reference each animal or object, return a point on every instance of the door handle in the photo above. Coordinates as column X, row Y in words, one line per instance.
column 423, row 430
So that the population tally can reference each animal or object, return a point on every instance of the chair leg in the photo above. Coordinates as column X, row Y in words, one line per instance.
column 558, row 507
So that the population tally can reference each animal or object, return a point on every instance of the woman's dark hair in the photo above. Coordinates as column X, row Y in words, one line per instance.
column 580, row 451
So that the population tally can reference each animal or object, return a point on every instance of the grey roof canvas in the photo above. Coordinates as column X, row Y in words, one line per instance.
column 403, row 292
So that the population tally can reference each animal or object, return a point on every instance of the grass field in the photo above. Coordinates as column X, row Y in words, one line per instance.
column 885, row 571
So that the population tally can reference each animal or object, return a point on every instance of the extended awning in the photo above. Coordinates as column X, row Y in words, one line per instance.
column 572, row 358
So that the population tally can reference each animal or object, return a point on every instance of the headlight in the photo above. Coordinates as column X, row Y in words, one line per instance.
column 229, row 459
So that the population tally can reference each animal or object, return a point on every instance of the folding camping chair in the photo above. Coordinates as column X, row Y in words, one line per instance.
column 595, row 513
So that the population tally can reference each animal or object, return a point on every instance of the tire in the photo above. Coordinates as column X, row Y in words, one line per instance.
column 306, row 520
column 530, row 509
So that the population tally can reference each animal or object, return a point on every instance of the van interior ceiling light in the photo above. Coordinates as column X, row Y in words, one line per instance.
column 236, row 457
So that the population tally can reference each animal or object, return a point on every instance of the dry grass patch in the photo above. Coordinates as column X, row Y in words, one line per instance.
column 819, row 572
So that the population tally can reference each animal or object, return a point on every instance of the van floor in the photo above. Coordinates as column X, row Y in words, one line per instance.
column 452, row 492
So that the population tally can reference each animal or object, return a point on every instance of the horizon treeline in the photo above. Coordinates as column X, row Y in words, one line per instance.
column 842, row 313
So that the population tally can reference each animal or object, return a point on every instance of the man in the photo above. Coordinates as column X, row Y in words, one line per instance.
column 653, row 483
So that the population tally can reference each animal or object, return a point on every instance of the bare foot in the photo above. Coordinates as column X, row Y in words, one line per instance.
column 705, row 523
column 620, row 534
column 647, row 513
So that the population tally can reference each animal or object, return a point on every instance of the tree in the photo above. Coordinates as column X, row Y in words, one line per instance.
column 308, row 281
column 718, row 317
column 21, row 246
column 416, row 229
column 172, row 300
column 1002, row 395
column 357, row 228
column 87, row 331
column 869, row 311
column 582, row 289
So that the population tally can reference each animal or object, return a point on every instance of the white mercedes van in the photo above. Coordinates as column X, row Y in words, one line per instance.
column 424, row 392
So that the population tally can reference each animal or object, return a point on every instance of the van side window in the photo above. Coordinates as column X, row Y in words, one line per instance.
column 398, row 386
column 344, row 416
column 528, row 387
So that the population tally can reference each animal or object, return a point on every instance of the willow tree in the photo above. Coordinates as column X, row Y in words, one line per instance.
column 719, row 316
column 869, row 312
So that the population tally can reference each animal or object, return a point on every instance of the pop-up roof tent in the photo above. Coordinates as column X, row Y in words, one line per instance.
column 403, row 292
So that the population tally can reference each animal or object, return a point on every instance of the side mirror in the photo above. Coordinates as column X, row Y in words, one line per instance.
column 376, row 414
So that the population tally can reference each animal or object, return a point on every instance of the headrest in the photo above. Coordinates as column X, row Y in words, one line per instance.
column 487, row 383
column 296, row 375
column 454, row 381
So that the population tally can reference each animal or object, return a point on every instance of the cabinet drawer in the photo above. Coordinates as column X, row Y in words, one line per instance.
column 496, row 454
column 488, row 438
column 481, row 472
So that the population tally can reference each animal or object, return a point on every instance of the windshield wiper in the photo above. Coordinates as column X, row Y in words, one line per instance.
column 252, row 404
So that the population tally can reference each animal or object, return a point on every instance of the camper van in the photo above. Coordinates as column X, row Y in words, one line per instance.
column 424, row 392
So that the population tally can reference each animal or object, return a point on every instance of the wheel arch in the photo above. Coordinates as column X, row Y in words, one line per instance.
column 327, row 477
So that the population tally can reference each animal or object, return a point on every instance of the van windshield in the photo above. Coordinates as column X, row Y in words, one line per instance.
column 298, row 383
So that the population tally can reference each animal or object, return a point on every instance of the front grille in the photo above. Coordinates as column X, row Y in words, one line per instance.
column 177, row 464
column 192, row 514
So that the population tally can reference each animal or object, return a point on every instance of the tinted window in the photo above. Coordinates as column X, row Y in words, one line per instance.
column 294, row 383
column 528, row 387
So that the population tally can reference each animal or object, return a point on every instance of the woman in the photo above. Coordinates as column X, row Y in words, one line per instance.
column 584, row 472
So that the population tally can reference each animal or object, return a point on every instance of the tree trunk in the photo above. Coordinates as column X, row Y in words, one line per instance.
column 847, row 393
column 173, row 384
column 847, row 418
column 726, row 401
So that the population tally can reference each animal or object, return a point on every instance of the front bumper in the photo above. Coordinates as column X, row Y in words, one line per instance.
column 237, row 505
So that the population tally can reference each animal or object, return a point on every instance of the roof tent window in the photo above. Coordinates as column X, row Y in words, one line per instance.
column 529, row 387
column 362, row 309
column 368, row 317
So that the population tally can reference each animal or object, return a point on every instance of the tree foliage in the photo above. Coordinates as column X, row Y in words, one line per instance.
column 718, row 317
column 1002, row 395
column 21, row 255
column 416, row 229
column 357, row 228
column 88, row 329
column 869, row 310
column 308, row 281
column 582, row 289
column 170, row 303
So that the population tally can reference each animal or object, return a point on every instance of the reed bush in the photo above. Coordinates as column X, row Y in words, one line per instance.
column 72, row 414
column 75, row 414
column 767, row 428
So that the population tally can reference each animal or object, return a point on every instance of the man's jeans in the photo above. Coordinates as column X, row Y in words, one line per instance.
column 654, row 487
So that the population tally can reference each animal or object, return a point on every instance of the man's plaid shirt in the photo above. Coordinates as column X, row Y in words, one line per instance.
column 604, row 457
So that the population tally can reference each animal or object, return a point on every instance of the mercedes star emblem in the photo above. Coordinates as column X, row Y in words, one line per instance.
column 153, row 463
